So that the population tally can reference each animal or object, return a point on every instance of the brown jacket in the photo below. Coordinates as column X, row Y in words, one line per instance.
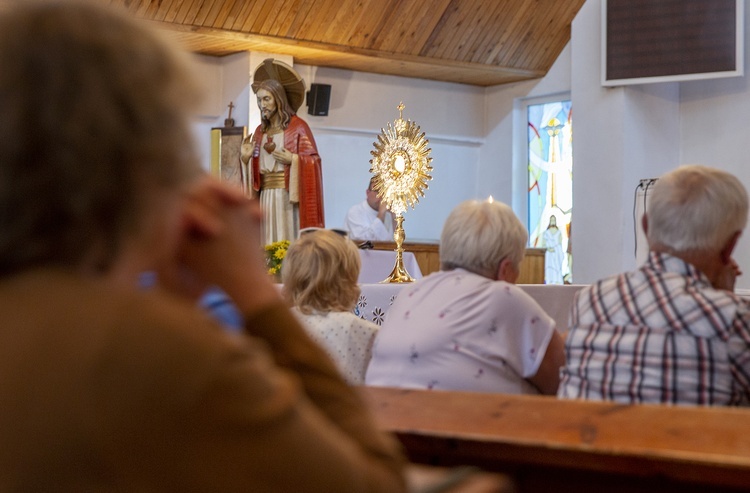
column 122, row 391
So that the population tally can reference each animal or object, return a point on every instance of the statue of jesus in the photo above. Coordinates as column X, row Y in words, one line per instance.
column 285, row 167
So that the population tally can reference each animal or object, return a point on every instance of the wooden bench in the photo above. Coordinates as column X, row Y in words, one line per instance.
column 546, row 444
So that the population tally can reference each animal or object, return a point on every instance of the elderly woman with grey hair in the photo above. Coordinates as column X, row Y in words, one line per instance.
column 468, row 327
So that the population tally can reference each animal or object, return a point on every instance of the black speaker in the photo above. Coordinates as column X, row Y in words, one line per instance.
column 318, row 98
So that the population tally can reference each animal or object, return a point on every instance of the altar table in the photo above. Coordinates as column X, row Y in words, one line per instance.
column 375, row 300
column 378, row 265
column 427, row 255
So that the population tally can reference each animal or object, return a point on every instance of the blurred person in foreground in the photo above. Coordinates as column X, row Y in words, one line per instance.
column 468, row 327
column 106, row 386
column 320, row 274
column 672, row 331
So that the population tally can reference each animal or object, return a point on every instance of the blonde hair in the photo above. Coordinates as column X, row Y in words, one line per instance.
column 320, row 272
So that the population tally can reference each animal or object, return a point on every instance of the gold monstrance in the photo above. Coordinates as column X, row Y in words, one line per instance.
column 401, row 168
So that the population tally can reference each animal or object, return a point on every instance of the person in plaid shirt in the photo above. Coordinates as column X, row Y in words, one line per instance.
column 673, row 331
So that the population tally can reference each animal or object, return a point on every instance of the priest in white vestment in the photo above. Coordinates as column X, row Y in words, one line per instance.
column 370, row 219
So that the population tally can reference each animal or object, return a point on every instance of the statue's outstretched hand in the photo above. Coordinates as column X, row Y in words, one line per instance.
column 246, row 149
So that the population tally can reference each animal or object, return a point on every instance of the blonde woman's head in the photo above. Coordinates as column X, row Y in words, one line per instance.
column 320, row 272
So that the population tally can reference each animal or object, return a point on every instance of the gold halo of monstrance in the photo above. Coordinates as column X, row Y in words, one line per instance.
column 401, row 169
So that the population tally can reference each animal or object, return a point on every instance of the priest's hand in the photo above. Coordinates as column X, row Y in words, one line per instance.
column 382, row 210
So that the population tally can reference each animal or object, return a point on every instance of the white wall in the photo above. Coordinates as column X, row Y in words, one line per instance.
column 714, row 131
column 224, row 80
column 627, row 133
column 621, row 135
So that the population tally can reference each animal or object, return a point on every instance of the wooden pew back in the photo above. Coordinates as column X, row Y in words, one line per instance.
column 547, row 444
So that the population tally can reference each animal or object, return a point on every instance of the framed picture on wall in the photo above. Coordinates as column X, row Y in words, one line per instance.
column 225, row 156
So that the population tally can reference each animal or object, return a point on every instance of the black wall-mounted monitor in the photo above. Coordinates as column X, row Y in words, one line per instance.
column 671, row 40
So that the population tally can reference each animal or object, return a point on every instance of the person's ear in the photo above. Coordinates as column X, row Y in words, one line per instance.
column 728, row 249
column 507, row 271
column 644, row 224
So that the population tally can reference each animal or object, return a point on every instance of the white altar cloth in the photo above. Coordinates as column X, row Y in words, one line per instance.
column 378, row 264
column 375, row 300
column 555, row 299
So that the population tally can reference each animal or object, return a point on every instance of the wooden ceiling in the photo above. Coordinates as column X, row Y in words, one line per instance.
column 479, row 42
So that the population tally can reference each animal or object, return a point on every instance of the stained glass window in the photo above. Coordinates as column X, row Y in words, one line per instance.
column 550, row 192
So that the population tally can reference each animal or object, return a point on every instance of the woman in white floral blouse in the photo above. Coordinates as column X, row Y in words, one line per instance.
column 469, row 327
column 320, row 274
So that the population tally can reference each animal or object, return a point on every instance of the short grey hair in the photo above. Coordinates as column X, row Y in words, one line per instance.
column 477, row 236
column 695, row 208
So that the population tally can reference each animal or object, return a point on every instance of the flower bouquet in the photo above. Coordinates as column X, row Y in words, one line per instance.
column 275, row 253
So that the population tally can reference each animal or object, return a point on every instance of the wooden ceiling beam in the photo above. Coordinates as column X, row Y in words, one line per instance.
column 359, row 59
column 480, row 42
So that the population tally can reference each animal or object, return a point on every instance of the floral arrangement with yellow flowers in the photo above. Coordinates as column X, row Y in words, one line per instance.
column 275, row 253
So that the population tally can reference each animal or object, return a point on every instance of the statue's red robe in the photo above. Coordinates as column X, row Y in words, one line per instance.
column 298, row 139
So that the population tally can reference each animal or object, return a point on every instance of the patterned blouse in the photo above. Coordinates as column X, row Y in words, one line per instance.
column 455, row 330
column 346, row 338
